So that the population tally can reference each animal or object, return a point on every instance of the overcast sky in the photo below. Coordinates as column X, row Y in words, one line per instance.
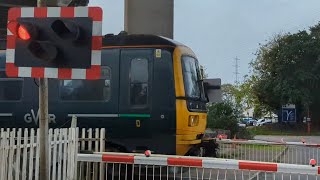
column 220, row 30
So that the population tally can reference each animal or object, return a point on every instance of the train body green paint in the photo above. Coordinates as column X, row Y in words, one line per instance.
column 148, row 97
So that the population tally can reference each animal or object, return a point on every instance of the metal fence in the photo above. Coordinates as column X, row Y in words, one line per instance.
column 92, row 140
column 157, row 167
column 283, row 152
column 19, row 159
column 116, row 171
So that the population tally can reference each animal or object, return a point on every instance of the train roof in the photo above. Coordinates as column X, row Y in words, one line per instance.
column 128, row 40
column 137, row 40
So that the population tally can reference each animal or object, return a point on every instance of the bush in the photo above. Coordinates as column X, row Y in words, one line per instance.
column 222, row 116
column 244, row 133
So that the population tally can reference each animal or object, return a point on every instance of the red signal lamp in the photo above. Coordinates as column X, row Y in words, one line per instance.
column 23, row 33
column 26, row 31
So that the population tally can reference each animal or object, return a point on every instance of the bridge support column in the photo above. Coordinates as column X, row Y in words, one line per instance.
column 149, row 17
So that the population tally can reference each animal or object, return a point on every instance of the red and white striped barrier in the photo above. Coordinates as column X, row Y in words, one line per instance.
column 199, row 162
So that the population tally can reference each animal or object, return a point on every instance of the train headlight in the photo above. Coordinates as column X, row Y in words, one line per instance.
column 193, row 120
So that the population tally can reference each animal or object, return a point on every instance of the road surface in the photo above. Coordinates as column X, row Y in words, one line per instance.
column 308, row 139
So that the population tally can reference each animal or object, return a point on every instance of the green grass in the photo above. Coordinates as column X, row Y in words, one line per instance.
column 276, row 130
column 251, row 148
column 232, row 155
column 265, row 147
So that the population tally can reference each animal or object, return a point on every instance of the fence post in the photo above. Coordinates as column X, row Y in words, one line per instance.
column 96, row 148
column 49, row 142
column 18, row 154
column 37, row 155
column 31, row 154
column 82, row 147
column 60, row 140
column 74, row 121
column 64, row 168
column 4, row 146
column 102, row 149
column 69, row 159
column 89, row 164
column 76, row 151
column 11, row 153
column 54, row 157
column 25, row 154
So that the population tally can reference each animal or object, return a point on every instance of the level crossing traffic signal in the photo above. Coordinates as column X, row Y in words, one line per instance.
column 54, row 42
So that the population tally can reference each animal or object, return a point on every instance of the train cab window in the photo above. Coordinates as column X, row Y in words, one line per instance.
column 191, row 77
column 139, row 82
column 85, row 90
column 10, row 88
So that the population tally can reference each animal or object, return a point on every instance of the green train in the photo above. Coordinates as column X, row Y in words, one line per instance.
column 151, row 95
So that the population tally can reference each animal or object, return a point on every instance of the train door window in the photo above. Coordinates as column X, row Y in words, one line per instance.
column 88, row 90
column 139, row 82
column 10, row 88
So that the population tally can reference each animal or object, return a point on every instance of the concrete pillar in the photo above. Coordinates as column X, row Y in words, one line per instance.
column 149, row 17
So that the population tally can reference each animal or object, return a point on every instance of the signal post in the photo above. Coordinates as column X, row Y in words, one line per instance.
column 43, row 121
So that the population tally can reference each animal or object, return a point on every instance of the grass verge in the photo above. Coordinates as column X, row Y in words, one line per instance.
column 250, row 151
column 276, row 129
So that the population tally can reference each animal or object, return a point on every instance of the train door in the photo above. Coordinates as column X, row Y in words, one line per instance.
column 163, row 103
column 136, row 67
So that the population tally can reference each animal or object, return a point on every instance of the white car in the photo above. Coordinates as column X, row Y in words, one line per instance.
column 262, row 122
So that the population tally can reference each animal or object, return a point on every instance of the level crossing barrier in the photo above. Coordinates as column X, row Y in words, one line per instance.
column 138, row 166
column 281, row 152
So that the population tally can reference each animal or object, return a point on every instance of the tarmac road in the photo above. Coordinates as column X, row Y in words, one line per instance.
column 308, row 139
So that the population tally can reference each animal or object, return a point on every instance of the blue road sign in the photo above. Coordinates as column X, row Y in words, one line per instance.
column 289, row 115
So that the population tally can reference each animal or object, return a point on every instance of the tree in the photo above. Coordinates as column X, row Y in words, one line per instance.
column 242, row 97
column 222, row 116
column 287, row 71
column 250, row 99
column 233, row 96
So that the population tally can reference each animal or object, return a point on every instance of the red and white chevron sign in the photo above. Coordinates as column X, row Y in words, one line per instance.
column 93, row 72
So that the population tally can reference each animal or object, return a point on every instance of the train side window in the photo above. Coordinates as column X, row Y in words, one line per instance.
column 10, row 88
column 139, row 82
column 85, row 90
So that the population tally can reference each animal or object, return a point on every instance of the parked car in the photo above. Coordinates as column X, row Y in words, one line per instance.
column 252, row 122
column 262, row 122
column 249, row 121
column 245, row 120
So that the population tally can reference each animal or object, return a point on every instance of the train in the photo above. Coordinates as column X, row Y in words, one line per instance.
column 151, row 96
